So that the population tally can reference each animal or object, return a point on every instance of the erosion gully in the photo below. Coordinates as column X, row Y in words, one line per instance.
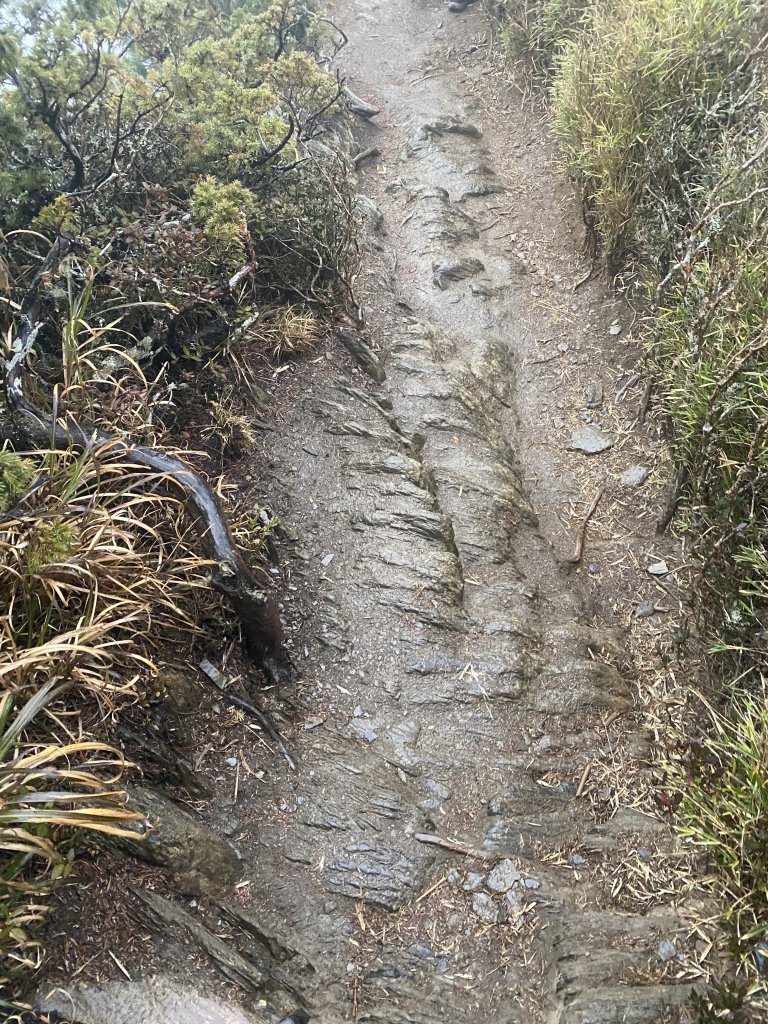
column 435, row 856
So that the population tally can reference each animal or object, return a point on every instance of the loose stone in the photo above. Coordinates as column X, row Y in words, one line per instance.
column 504, row 876
column 634, row 477
column 485, row 908
column 472, row 882
column 589, row 441
column 594, row 395
column 666, row 950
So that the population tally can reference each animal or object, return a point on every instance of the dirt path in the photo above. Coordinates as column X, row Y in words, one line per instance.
column 461, row 680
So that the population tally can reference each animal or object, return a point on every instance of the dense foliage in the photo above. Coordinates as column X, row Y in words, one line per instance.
column 661, row 109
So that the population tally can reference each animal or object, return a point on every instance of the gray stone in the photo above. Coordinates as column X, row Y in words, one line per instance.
column 448, row 269
column 380, row 875
column 438, row 790
column 594, row 395
column 485, row 908
column 369, row 213
column 152, row 1000
column 514, row 902
column 472, row 882
column 504, row 876
column 634, row 477
column 589, row 441
column 645, row 609
column 666, row 950
column 363, row 727
column 200, row 861
column 363, row 355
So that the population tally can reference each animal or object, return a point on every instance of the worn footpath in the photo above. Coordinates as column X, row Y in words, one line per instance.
column 443, row 851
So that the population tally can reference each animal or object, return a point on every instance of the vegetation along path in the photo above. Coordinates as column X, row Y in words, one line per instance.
column 472, row 502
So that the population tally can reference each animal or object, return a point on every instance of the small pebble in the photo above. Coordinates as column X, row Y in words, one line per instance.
column 594, row 395
column 634, row 477
column 472, row 882
column 666, row 950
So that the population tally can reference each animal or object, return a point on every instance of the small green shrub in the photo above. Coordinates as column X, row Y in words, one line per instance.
column 535, row 31
column 640, row 102
column 710, row 352
column 724, row 808
column 661, row 109
column 15, row 476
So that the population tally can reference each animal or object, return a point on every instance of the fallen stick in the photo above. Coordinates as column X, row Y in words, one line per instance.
column 221, row 683
column 576, row 558
column 583, row 280
column 358, row 106
column 626, row 386
column 547, row 359
column 429, row 839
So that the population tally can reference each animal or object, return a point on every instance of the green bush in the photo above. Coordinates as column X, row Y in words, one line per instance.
column 641, row 99
column 661, row 111
column 710, row 355
column 535, row 31
column 724, row 808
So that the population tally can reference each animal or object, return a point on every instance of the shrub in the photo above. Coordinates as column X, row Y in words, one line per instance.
column 661, row 109
column 640, row 102
column 536, row 31
column 710, row 357
column 49, row 792
column 724, row 808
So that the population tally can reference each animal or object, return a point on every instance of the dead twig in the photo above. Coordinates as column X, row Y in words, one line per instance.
column 579, row 551
column 587, row 277
column 429, row 839
column 366, row 154
column 547, row 359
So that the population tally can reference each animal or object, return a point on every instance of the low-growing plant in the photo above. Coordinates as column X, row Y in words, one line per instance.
column 710, row 357
column 535, row 32
column 51, row 791
column 93, row 547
